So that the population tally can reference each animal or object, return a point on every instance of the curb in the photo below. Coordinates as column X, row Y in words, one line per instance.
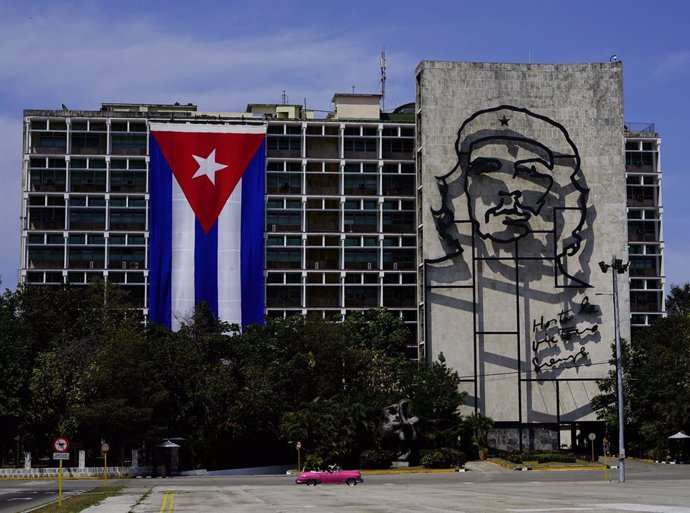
column 526, row 468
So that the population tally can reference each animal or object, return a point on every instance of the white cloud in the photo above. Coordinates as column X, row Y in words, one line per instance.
column 672, row 65
column 81, row 62
column 79, row 57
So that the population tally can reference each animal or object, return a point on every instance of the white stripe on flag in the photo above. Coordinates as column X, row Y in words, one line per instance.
column 229, row 269
column 259, row 128
column 182, row 277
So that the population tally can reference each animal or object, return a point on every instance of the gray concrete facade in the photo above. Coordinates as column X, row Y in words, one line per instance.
column 522, row 193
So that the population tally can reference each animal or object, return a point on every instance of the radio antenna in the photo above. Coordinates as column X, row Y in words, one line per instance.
column 382, row 65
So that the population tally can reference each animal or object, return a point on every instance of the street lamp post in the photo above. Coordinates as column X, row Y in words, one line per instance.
column 618, row 267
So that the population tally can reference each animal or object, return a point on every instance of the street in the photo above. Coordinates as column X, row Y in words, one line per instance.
column 488, row 488
column 20, row 495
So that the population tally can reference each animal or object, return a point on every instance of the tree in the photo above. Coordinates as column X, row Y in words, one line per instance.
column 678, row 301
column 332, row 430
column 656, row 384
column 436, row 400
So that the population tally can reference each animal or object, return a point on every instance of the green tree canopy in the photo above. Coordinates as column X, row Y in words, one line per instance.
column 656, row 383
column 678, row 301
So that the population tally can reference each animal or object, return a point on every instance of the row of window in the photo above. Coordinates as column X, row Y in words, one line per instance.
column 352, row 222
column 55, row 218
column 359, row 184
column 335, row 278
column 85, row 257
column 335, row 259
column 335, row 167
column 335, row 241
column 91, row 239
column 86, row 143
column 87, row 125
column 336, row 296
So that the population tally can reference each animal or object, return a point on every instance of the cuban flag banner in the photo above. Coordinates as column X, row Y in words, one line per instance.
column 206, row 221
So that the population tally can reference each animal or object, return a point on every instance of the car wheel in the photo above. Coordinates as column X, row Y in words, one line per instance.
column 311, row 482
column 351, row 482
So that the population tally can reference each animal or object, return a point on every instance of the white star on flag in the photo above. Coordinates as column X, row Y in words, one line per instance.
column 208, row 166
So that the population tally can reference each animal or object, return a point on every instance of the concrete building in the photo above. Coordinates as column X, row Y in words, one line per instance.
column 340, row 192
column 521, row 193
column 645, row 234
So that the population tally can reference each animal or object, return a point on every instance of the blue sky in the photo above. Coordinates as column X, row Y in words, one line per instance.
column 222, row 55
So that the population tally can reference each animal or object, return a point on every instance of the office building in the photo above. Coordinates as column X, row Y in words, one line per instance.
column 645, row 235
column 340, row 193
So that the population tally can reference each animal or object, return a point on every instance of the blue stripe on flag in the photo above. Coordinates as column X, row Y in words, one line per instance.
column 252, row 249
column 206, row 266
column 160, row 238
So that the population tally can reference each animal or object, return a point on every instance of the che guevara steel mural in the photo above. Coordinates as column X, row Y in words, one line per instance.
column 526, row 201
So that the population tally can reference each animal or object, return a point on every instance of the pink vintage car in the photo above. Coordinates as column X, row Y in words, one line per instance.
column 332, row 475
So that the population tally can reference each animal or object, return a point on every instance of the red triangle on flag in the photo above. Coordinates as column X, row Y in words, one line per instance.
column 226, row 157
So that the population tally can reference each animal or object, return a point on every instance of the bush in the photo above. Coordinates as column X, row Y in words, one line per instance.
column 555, row 457
column 559, row 457
column 435, row 459
column 517, row 457
column 376, row 459
column 313, row 462
column 457, row 457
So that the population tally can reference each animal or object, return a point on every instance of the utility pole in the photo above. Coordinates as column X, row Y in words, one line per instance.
column 618, row 267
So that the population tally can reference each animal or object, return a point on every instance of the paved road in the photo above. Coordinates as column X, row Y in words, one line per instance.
column 20, row 495
column 487, row 489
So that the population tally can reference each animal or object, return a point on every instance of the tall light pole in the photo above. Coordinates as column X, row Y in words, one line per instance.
column 618, row 267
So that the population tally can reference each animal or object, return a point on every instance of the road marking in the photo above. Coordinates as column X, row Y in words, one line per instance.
column 37, row 483
column 169, row 505
column 639, row 508
column 644, row 508
column 19, row 499
column 539, row 510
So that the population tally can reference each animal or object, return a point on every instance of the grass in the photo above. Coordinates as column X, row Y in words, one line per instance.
column 77, row 503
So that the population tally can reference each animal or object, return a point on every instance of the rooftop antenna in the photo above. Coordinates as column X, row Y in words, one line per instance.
column 284, row 97
column 382, row 66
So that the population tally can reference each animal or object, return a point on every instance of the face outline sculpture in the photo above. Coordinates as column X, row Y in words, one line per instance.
column 507, row 190
column 520, row 172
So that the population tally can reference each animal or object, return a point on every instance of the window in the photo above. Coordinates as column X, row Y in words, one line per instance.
column 284, row 143
column 364, row 259
column 361, row 184
column 398, row 185
column 46, row 258
column 398, row 222
column 127, row 220
column 128, row 144
column 283, row 258
column 283, row 221
column 283, row 296
column 360, row 221
column 283, row 183
column 360, row 145
column 361, row 296
column 48, row 142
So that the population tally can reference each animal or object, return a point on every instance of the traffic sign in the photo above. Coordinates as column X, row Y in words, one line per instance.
column 61, row 444
column 592, row 436
column 299, row 445
column 105, row 447
column 60, row 455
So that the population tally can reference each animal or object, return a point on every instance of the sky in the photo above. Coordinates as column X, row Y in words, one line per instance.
column 222, row 55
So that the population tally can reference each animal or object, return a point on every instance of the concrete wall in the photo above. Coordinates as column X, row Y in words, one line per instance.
column 518, row 205
column 71, row 472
